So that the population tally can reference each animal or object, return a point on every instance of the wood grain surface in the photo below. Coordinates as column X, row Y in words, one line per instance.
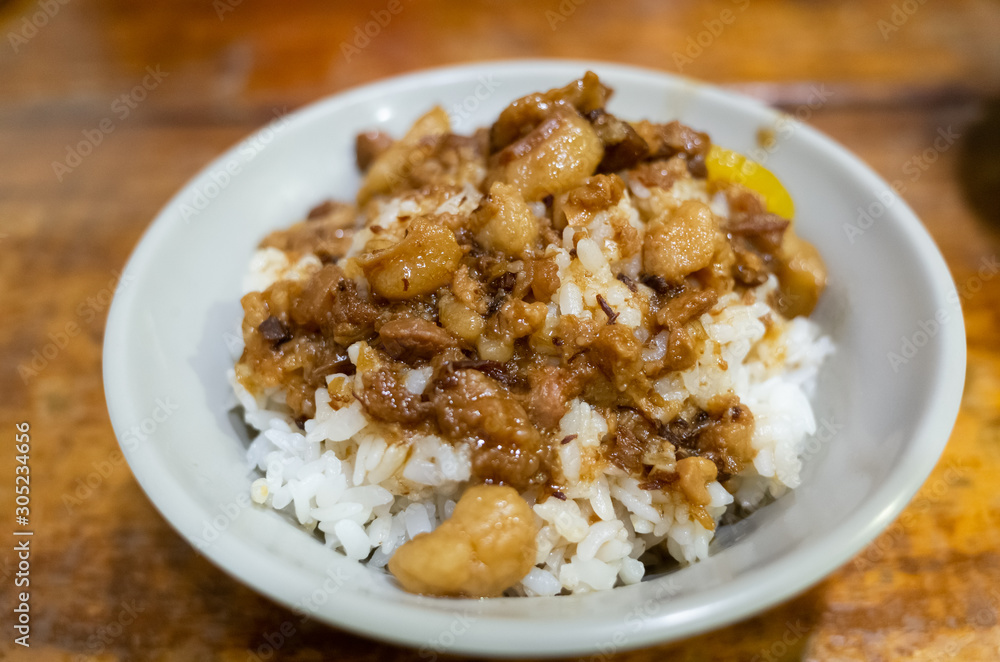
column 111, row 580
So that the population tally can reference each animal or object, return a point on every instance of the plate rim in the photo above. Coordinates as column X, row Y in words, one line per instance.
column 782, row 583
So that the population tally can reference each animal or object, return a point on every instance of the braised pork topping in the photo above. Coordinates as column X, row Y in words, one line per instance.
column 465, row 282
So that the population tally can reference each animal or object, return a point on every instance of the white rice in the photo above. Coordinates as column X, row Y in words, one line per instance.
column 367, row 495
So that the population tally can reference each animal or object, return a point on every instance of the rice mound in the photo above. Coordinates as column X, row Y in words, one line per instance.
column 367, row 496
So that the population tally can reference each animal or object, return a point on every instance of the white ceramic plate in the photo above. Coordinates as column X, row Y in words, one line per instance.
column 886, row 421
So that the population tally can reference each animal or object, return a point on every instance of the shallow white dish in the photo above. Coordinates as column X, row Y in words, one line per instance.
column 887, row 411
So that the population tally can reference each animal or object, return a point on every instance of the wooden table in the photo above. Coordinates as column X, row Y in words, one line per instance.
column 112, row 581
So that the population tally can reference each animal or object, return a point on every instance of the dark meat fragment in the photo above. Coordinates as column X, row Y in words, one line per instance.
column 727, row 442
column 596, row 193
column 660, row 285
column 681, row 352
column 505, row 282
column 661, row 173
column 494, row 369
column 625, row 451
column 763, row 230
column 327, row 234
column 608, row 310
column 744, row 200
column 722, row 435
column 544, row 278
column 451, row 160
column 629, row 283
column 749, row 267
column 674, row 316
column 523, row 115
column 331, row 302
column 685, row 307
column 386, row 398
column 500, row 288
column 299, row 364
column 335, row 366
column 506, row 447
column 684, row 433
column 551, row 391
column 697, row 166
column 517, row 319
column 576, row 333
column 618, row 355
column 666, row 140
column 414, row 337
column 659, row 481
column 589, row 381
column 274, row 331
column 322, row 210
column 756, row 238
column 634, row 435
column 623, row 147
column 368, row 146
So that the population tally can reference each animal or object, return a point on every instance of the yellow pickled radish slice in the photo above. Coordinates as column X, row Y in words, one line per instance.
column 729, row 166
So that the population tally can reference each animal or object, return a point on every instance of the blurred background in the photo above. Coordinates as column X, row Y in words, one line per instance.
column 107, row 108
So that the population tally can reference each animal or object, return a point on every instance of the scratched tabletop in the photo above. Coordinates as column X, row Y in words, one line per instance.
column 107, row 108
